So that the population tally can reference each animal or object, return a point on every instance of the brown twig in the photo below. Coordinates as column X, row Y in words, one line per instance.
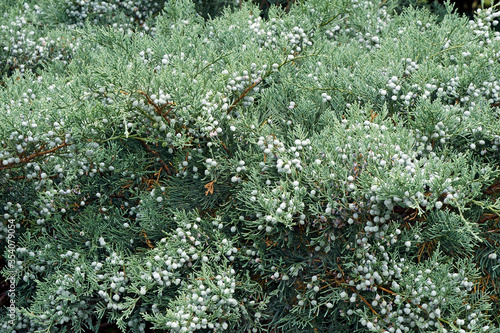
column 33, row 156
column 148, row 148
column 243, row 94
column 225, row 148
column 488, row 217
column 210, row 187
column 364, row 300
column 148, row 242
column 495, row 188
column 158, row 109
column 24, row 177
column 393, row 293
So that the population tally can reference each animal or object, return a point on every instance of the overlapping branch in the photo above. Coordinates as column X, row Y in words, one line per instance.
column 31, row 157
column 155, row 153
column 159, row 109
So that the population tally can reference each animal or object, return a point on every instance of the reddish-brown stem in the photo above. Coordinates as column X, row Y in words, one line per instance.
column 225, row 148
column 364, row 300
column 24, row 177
column 243, row 95
column 488, row 217
column 386, row 290
column 148, row 148
column 393, row 293
column 158, row 109
column 33, row 156
column 493, row 189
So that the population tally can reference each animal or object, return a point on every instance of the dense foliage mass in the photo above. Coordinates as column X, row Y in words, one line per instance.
column 331, row 168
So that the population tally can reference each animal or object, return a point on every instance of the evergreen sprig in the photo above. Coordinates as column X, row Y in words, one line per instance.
column 331, row 167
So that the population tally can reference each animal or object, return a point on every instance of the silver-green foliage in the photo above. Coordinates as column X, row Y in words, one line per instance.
column 331, row 169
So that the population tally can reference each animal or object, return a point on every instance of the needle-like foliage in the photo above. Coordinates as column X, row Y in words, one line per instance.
column 329, row 168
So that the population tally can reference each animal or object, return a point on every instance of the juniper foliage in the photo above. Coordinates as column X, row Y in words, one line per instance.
column 333, row 168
